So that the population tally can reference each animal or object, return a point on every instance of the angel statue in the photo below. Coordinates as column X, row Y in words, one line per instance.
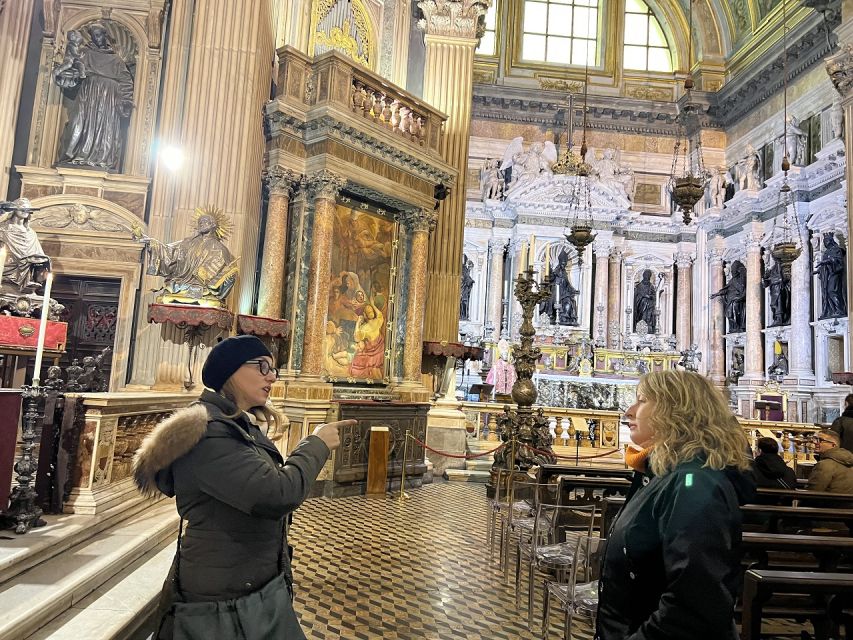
column 199, row 269
column 527, row 165
column 491, row 180
column 611, row 173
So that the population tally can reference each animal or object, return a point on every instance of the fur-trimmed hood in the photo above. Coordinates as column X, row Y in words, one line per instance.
column 171, row 439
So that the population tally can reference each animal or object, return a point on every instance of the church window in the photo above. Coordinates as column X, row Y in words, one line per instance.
column 646, row 48
column 560, row 31
column 488, row 43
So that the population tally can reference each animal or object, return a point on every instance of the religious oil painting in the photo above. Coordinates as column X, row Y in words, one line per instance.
column 357, row 337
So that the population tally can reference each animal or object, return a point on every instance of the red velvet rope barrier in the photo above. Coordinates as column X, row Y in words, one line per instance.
column 486, row 453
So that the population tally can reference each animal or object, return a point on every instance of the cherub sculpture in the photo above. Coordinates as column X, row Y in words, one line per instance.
column 527, row 165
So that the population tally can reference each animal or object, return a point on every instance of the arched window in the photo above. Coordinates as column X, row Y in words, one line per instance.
column 646, row 48
column 561, row 31
column 488, row 44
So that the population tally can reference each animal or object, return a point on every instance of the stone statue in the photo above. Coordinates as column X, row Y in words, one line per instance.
column 778, row 369
column 717, row 189
column 562, row 306
column 734, row 298
column 467, row 285
column 836, row 120
column 749, row 170
column 645, row 299
column 54, row 380
column 690, row 358
column 793, row 142
column 94, row 134
column 527, row 165
column 26, row 266
column 491, row 180
column 197, row 270
column 779, row 289
column 611, row 173
column 736, row 368
column 832, row 273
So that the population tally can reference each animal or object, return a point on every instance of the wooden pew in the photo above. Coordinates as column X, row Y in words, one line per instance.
column 776, row 513
column 808, row 498
column 762, row 584
column 827, row 550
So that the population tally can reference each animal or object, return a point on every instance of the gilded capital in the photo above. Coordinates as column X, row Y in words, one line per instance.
column 418, row 219
column 454, row 18
column 839, row 66
column 325, row 185
column 281, row 181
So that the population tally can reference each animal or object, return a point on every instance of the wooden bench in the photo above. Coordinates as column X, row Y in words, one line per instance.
column 827, row 550
column 762, row 584
column 774, row 514
column 546, row 472
column 807, row 498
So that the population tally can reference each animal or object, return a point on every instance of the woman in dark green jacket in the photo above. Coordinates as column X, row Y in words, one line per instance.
column 671, row 569
column 233, row 488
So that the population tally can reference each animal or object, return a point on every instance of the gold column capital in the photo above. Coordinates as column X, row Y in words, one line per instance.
column 281, row 181
column 454, row 18
column 325, row 184
column 418, row 219
column 839, row 66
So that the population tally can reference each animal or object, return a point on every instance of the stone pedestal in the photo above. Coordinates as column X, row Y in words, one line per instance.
column 446, row 423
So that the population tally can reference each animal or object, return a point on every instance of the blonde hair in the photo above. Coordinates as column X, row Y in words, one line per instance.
column 690, row 419
column 276, row 422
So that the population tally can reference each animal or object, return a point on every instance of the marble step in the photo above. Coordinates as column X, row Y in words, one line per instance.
column 479, row 464
column 32, row 599
column 120, row 607
column 466, row 475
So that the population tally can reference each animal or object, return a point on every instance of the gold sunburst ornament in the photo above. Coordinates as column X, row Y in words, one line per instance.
column 223, row 224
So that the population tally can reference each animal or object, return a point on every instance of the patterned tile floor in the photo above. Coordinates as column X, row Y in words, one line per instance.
column 418, row 569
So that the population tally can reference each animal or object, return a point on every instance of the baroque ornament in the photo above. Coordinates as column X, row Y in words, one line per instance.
column 325, row 184
column 78, row 216
column 281, row 181
column 839, row 66
column 455, row 18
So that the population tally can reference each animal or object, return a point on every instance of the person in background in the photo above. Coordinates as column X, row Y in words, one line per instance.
column 671, row 568
column 769, row 469
column 843, row 424
column 834, row 469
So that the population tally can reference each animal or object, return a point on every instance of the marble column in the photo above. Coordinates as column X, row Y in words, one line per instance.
column 614, row 298
column 717, row 356
column 15, row 22
column 420, row 223
column 839, row 66
column 753, row 350
column 800, row 337
column 280, row 183
column 684, row 306
column 451, row 37
column 599, row 299
column 323, row 187
column 496, row 275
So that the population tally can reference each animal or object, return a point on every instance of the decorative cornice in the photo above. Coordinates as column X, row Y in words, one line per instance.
column 839, row 66
column 418, row 219
column 281, row 181
column 325, row 185
column 453, row 18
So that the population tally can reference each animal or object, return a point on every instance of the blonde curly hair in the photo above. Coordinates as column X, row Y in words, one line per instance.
column 691, row 419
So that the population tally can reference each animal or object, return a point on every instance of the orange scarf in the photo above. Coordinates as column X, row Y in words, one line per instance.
column 638, row 459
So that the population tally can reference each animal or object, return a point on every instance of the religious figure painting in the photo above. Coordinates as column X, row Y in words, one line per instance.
column 359, row 293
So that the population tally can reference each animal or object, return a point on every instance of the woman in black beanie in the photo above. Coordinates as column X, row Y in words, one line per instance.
column 234, row 491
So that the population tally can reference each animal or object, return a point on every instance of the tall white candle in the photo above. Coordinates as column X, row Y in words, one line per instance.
column 45, row 305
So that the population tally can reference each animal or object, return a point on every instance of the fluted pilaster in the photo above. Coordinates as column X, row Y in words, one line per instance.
column 14, row 38
column 280, row 184
column 324, row 187
column 684, row 307
column 753, row 357
column 451, row 37
column 496, row 274
column 614, row 297
column 716, row 363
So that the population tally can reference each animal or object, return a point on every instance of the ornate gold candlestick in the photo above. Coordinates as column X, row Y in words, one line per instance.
column 528, row 430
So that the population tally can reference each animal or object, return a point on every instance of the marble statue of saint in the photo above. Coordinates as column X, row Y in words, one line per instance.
column 793, row 142
column 836, row 120
column 491, row 180
column 645, row 297
column 26, row 266
column 749, row 170
column 612, row 174
column 465, row 291
column 779, row 289
column 197, row 270
column 734, row 298
column 690, row 358
column 562, row 306
column 832, row 273
column 527, row 165
column 94, row 133
column 717, row 189
column 736, row 368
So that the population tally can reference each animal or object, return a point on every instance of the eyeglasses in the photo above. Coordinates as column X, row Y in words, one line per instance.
column 826, row 441
column 264, row 367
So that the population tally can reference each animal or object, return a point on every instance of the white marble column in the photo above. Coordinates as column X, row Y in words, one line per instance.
column 684, row 306
column 495, row 293
column 753, row 356
column 800, row 340
column 599, row 300
column 717, row 355
column 614, row 298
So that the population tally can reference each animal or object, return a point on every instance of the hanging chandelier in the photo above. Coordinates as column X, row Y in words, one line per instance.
column 688, row 178
column 786, row 246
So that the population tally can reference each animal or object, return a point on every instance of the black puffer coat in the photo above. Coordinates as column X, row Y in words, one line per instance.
column 233, row 489
column 671, row 568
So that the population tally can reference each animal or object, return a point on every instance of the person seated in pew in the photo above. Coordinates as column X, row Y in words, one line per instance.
column 834, row 469
column 769, row 469
column 671, row 568
column 843, row 424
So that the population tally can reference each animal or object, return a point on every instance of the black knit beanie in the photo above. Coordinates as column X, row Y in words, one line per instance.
column 228, row 356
